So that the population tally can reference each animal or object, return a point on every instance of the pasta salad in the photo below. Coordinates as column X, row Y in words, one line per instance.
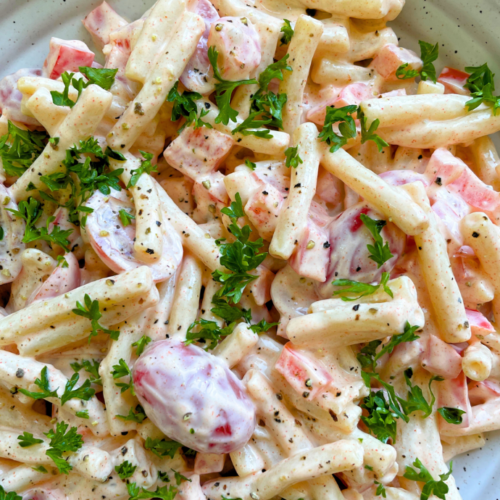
column 249, row 250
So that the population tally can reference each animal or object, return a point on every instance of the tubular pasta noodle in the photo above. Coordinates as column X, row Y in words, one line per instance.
column 477, row 362
column 391, row 201
column 301, row 50
column 12, row 246
column 292, row 220
column 17, row 371
column 442, row 286
column 148, row 243
column 156, row 32
column 237, row 345
column 484, row 237
column 211, row 288
column 485, row 418
column 193, row 237
column 274, row 146
column 334, row 457
column 366, row 9
column 35, row 265
column 166, row 71
column 15, row 414
column 46, row 112
column 30, row 327
column 186, row 299
column 334, row 323
column 290, row 437
column 153, row 322
column 487, row 163
column 462, row 444
column 80, row 123
column 28, row 85
column 21, row 478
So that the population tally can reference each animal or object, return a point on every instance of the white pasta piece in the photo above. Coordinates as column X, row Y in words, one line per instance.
column 28, row 85
column 290, row 437
column 292, row 220
column 484, row 238
column 187, row 298
column 463, row 444
column 429, row 134
column 486, row 161
column 477, row 362
column 152, row 323
column 269, row 32
column 36, row 266
column 11, row 245
column 166, row 71
column 419, row 438
column 335, row 38
column 307, row 34
column 274, row 146
column 328, row 70
column 15, row 414
column 427, row 87
column 156, row 31
column 211, row 288
column 80, row 124
column 120, row 297
column 237, row 345
column 335, row 323
column 193, row 237
column 401, row 111
column 441, row 284
column 148, row 243
column 390, row 494
column 305, row 466
column 20, row 372
column 391, row 201
column 21, row 478
column 50, row 115
column 369, row 9
column 92, row 462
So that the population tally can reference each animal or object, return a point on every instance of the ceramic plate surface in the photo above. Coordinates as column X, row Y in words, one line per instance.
column 468, row 32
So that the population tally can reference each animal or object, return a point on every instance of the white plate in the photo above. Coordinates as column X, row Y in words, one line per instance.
column 468, row 34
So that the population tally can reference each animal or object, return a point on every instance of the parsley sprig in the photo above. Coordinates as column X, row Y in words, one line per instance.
column 224, row 90
column 125, row 470
column 91, row 311
column 20, row 148
column 368, row 355
column 84, row 177
column 369, row 134
column 428, row 53
column 292, row 157
column 84, row 392
column 347, row 126
column 163, row 493
column 62, row 442
column 360, row 289
column 31, row 211
column 146, row 168
column 481, row 85
column 204, row 330
column 185, row 107
column 141, row 344
column 126, row 217
column 138, row 416
column 44, row 385
column 451, row 415
column 431, row 486
column 239, row 257
column 103, row 77
column 12, row 495
column 287, row 31
column 26, row 440
column 162, row 447
column 380, row 251
column 122, row 370
column 91, row 367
